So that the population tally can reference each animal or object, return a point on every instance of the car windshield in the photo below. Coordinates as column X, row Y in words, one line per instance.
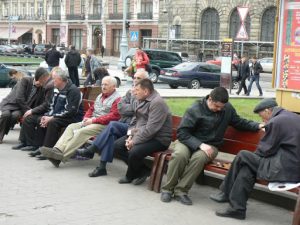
column 185, row 66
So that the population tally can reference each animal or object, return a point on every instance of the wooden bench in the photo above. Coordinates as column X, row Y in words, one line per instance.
column 234, row 142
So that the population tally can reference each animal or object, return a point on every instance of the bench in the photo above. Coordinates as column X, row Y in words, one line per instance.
column 234, row 141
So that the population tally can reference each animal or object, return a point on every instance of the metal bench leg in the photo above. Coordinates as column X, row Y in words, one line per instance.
column 296, row 218
column 154, row 171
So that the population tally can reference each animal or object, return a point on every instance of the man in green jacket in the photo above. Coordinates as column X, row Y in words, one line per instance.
column 199, row 135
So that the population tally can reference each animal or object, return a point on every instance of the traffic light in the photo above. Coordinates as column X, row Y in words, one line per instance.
column 127, row 24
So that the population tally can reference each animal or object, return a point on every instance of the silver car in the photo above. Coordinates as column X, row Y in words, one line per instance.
column 267, row 64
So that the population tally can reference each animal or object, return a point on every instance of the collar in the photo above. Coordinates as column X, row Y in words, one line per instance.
column 104, row 96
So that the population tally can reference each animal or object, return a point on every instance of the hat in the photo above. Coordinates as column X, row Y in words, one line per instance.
column 265, row 104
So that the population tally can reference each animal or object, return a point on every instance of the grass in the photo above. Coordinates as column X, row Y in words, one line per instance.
column 13, row 59
column 244, row 107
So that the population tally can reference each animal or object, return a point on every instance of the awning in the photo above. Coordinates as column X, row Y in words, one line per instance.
column 15, row 34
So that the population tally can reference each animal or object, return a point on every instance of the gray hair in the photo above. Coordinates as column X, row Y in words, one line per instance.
column 111, row 80
column 61, row 73
column 143, row 73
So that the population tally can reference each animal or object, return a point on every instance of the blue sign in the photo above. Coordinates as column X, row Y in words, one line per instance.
column 134, row 35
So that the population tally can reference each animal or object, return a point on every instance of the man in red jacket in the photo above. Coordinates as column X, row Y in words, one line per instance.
column 96, row 118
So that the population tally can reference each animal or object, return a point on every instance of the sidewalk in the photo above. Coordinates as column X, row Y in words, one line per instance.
column 33, row 192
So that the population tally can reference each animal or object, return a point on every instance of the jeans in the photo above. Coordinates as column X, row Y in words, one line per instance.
column 255, row 79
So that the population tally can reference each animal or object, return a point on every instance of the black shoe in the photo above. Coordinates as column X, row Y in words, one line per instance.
column 166, row 197
column 229, row 212
column 125, row 180
column 184, row 199
column 237, row 93
column 29, row 148
column 54, row 162
column 98, row 172
column 219, row 197
column 35, row 153
column 85, row 152
column 41, row 157
column 140, row 180
column 19, row 146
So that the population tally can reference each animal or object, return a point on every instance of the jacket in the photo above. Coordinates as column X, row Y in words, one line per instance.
column 243, row 70
column 256, row 69
column 73, row 59
column 126, row 107
column 52, row 57
column 200, row 125
column 152, row 120
column 279, row 148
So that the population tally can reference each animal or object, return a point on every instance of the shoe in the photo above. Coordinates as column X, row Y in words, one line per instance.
column 41, row 157
column 35, row 153
column 53, row 153
column 140, row 180
column 54, row 162
column 85, row 152
column 184, row 199
column 98, row 172
column 29, row 148
column 260, row 95
column 237, row 93
column 125, row 180
column 166, row 197
column 229, row 212
column 220, row 197
column 19, row 146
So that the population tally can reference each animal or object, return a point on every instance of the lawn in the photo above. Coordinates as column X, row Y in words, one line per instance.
column 13, row 59
column 244, row 107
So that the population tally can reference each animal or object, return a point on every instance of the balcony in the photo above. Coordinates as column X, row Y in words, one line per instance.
column 54, row 17
column 145, row 16
column 118, row 16
column 31, row 17
column 94, row 16
column 75, row 16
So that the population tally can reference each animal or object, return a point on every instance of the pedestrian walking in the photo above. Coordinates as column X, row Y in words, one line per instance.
column 102, row 50
column 72, row 61
column 255, row 71
column 243, row 74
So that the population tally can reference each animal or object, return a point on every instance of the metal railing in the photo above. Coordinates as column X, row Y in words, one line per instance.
column 118, row 16
column 145, row 15
column 54, row 17
column 75, row 16
column 94, row 17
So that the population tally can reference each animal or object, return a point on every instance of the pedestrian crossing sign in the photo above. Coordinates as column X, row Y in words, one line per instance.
column 134, row 35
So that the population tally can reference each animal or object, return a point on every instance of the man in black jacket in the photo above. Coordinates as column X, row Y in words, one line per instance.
column 276, row 159
column 52, row 58
column 255, row 70
column 72, row 61
column 200, row 133
column 243, row 74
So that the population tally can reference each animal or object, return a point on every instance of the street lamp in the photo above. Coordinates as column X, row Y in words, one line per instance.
column 167, row 11
column 9, row 22
column 124, row 41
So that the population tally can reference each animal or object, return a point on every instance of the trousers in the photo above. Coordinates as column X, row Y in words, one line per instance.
column 135, row 156
column 184, row 168
column 104, row 141
column 242, row 86
column 73, row 74
column 240, row 179
column 7, row 120
column 255, row 79
column 28, row 129
column 75, row 136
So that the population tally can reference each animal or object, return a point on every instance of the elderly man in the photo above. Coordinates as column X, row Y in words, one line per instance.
column 276, row 159
column 104, row 143
column 25, row 98
column 96, row 118
column 149, row 131
column 65, row 108
column 31, row 117
column 200, row 133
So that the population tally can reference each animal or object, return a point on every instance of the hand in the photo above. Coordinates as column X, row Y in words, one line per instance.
column 27, row 113
column 129, row 143
column 45, row 120
column 207, row 149
column 87, row 122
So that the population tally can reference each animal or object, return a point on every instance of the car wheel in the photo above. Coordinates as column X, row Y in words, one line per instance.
column 118, row 82
column 173, row 86
column 194, row 84
column 153, row 76
column 128, row 61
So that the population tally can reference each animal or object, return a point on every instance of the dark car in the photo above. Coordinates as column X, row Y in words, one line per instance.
column 5, row 79
column 193, row 75
column 41, row 49
column 159, row 59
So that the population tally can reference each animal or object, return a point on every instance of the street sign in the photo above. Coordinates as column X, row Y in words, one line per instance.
column 242, row 33
column 134, row 35
column 243, row 11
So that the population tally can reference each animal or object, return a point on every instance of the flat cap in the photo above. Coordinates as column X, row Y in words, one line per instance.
column 265, row 104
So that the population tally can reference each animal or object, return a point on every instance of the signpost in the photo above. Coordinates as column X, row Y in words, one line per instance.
column 242, row 33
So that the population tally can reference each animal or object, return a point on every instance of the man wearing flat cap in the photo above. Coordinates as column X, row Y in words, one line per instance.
column 276, row 159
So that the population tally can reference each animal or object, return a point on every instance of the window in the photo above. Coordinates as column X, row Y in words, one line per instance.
column 268, row 24
column 177, row 29
column 97, row 7
column 6, row 7
column 146, row 6
column 72, row 7
column 40, row 9
column 76, row 38
column 116, row 41
column 115, row 6
column 128, row 6
column 55, row 36
column 210, row 24
column 235, row 24
column 82, row 7
column 56, row 7
column 23, row 9
column 31, row 13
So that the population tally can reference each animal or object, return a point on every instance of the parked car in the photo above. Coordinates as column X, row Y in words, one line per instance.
column 4, row 76
column 41, row 49
column 194, row 75
column 7, row 49
column 18, row 48
column 267, row 64
column 159, row 59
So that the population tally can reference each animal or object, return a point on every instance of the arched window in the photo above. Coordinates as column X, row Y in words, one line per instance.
column 56, row 7
column 210, row 24
column 267, row 24
column 235, row 24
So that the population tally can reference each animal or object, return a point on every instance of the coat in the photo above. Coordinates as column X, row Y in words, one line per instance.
column 243, row 70
column 52, row 57
column 280, row 148
column 73, row 59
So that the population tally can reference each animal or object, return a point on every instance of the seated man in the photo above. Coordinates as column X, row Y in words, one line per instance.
column 200, row 133
column 150, row 131
column 32, row 115
column 96, row 118
column 65, row 108
column 277, row 159
column 104, row 143
column 26, row 95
